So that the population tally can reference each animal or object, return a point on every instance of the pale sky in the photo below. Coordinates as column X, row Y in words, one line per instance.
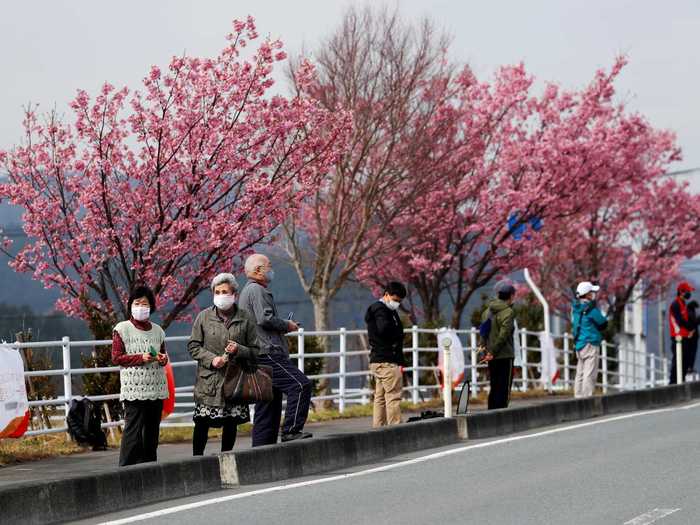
column 51, row 48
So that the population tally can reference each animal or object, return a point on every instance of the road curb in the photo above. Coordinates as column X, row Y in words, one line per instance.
column 67, row 499
column 314, row 456
column 511, row 420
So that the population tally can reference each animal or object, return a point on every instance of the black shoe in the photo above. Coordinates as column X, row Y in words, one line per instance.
column 296, row 435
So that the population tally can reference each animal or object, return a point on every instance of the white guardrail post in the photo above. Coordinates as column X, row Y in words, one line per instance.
column 666, row 376
column 300, row 349
column 67, row 377
column 473, row 370
column 342, row 370
column 604, row 359
column 523, row 349
column 447, row 376
column 567, row 372
column 679, row 360
column 415, row 374
column 652, row 371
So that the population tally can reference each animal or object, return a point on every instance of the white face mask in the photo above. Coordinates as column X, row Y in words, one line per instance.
column 224, row 301
column 394, row 305
column 140, row 313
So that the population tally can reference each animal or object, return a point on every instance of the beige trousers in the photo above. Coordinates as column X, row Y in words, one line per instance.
column 586, row 371
column 388, row 382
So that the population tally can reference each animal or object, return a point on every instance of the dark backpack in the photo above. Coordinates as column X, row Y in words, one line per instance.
column 85, row 424
column 425, row 414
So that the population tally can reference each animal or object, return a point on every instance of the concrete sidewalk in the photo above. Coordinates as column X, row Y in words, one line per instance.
column 89, row 462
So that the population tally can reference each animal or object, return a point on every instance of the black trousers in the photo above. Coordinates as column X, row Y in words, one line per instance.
column 287, row 380
column 501, row 379
column 692, row 352
column 200, row 435
column 690, row 349
column 141, row 429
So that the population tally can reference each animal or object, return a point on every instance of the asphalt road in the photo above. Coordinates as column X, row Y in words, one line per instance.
column 636, row 468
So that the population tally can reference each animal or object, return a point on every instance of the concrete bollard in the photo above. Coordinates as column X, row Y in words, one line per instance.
column 679, row 360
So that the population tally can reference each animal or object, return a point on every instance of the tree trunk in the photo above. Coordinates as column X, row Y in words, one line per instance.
column 321, row 304
column 430, row 301
column 456, row 320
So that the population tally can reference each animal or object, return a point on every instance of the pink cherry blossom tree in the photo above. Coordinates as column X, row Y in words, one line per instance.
column 395, row 80
column 520, row 159
column 632, row 244
column 166, row 185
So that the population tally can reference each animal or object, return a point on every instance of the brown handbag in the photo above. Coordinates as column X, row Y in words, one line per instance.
column 247, row 382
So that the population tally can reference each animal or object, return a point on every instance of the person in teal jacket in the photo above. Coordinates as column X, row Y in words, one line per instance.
column 588, row 323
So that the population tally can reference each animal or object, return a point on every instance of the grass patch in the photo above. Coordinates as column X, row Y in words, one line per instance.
column 14, row 451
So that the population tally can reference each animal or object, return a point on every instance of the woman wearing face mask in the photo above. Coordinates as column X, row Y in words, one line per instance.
column 138, row 347
column 220, row 333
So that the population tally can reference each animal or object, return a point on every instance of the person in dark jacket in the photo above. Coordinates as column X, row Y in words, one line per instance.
column 499, row 347
column 385, row 332
column 680, row 325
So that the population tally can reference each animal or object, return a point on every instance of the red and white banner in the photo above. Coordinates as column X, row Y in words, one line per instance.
column 14, row 406
column 550, row 367
column 456, row 357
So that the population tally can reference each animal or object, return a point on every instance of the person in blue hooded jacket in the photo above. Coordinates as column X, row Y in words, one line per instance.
column 588, row 323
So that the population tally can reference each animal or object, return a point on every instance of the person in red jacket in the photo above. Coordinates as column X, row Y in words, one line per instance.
column 681, row 326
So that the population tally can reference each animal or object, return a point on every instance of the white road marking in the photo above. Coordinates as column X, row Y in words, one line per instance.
column 400, row 464
column 651, row 516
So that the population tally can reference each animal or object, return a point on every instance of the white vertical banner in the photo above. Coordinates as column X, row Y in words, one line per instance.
column 549, row 366
column 14, row 406
column 517, row 348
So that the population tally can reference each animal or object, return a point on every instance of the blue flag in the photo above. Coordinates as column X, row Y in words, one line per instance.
column 519, row 229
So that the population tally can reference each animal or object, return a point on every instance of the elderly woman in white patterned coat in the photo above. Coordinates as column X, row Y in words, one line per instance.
column 138, row 347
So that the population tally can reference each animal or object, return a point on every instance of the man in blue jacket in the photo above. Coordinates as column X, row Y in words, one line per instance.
column 588, row 324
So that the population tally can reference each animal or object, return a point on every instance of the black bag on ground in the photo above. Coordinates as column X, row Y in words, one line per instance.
column 425, row 414
column 84, row 424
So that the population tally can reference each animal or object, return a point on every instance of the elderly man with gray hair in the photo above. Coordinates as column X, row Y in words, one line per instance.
column 220, row 333
column 287, row 379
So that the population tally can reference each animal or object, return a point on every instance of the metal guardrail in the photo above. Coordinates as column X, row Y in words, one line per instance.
column 638, row 370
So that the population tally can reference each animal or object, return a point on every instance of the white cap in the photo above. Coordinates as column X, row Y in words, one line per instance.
column 585, row 288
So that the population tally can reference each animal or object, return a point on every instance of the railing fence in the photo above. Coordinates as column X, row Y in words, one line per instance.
column 621, row 369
